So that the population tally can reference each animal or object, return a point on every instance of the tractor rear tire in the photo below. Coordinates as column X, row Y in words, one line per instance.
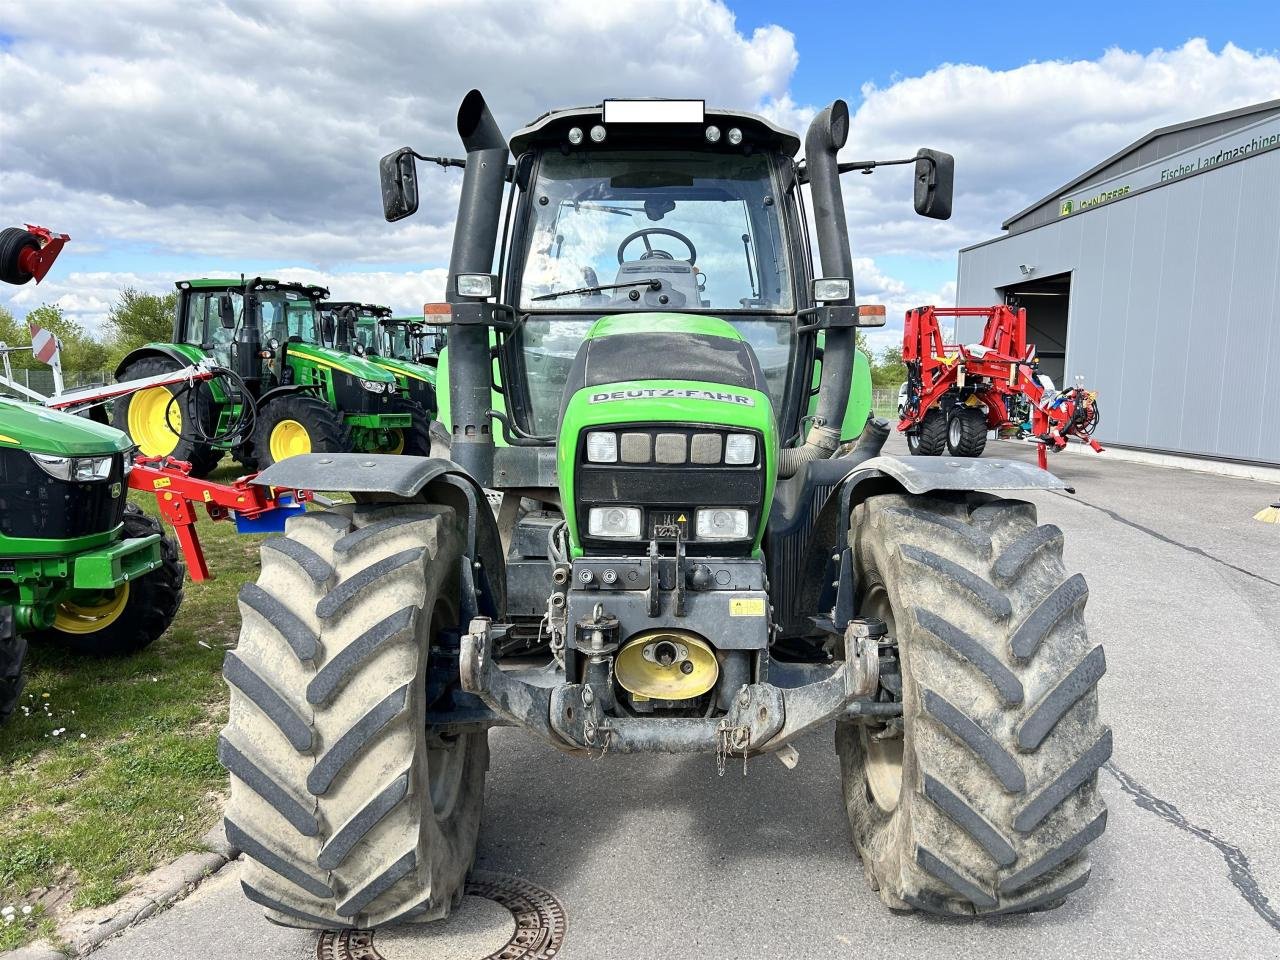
column 985, row 798
column 301, row 423
column 150, row 604
column 930, row 437
column 351, row 810
column 967, row 432
column 13, row 653
column 195, row 404
column 417, row 438
column 13, row 240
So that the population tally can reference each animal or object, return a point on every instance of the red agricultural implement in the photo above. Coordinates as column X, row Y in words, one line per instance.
column 28, row 254
column 254, row 508
column 956, row 393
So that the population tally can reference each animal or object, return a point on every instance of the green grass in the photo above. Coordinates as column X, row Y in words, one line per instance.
column 133, row 781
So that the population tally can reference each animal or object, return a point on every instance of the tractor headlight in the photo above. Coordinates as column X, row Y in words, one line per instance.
column 602, row 446
column 74, row 469
column 722, row 524
column 617, row 523
column 740, row 449
column 376, row 386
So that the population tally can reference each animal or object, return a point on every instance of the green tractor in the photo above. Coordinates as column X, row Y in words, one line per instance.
column 285, row 392
column 371, row 332
column 686, row 558
column 78, row 566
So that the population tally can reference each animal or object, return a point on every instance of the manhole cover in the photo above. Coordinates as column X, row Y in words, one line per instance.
column 539, row 926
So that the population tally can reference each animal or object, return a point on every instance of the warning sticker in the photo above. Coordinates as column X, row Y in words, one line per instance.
column 746, row 606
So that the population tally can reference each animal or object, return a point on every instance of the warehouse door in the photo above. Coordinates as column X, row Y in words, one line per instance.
column 1047, row 300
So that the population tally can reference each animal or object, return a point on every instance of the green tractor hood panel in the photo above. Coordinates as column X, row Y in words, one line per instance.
column 41, row 430
column 346, row 362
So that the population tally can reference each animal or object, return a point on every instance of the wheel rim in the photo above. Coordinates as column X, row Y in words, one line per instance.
column 955, row 431
column 395, row 440
column 288, row 438
column 883, row 767
column 72, row 617
column 447, row 760
column 154, row 425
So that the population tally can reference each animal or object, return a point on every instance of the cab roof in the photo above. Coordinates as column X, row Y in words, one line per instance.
column 552, row 128
column 239, row 283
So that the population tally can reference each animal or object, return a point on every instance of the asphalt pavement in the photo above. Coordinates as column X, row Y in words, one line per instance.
column 658, row 857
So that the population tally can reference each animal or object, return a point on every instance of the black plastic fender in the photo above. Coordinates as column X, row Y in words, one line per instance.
column 153, row 350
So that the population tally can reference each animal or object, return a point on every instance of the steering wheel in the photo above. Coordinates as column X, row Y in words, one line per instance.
column 652, row 254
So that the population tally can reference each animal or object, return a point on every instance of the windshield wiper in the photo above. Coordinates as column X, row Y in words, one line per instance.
column 652, row 283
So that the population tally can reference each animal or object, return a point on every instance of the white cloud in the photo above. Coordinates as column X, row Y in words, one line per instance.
column 1019, row 134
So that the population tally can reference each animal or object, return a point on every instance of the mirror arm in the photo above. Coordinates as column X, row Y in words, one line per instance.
column 447, row 162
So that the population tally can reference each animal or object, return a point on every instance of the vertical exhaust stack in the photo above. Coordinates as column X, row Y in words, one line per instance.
column 474, row 239
column 827, row 134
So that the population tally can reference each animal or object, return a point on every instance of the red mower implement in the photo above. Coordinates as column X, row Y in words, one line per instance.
column 957, row 392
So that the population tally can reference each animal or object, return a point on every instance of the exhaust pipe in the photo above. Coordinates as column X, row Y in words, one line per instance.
column 474, row 239
column 827, row 134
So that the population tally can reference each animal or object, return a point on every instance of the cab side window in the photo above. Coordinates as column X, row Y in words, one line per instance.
column 204, row 322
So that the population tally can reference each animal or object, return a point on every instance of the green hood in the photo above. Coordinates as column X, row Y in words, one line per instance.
column 415, row 371
column 41, row 430
column 346, row 362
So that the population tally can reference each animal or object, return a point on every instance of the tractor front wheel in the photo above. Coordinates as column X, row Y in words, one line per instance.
column 414, row 440
column 983, row 796
column 162, row 426
column 351, row 809
column 297, row 423
column 131, row 617
column 929, row 439
column 967, row 432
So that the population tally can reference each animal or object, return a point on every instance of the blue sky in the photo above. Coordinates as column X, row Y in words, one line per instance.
column 262, row 158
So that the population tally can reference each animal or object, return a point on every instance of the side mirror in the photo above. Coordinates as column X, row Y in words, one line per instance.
column 935, row 183
column 399, row 174
column 226, row 312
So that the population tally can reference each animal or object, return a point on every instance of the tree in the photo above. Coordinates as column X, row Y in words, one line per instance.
column 889, row 370
column 139, row 317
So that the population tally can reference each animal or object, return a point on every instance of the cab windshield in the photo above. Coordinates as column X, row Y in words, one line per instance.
column 622, row 231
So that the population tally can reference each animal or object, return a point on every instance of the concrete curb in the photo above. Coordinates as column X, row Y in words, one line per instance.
column 1220, row 468
column 85, row 931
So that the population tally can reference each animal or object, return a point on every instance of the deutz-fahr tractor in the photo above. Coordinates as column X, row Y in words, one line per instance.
column 370, row 331
column 684, row 561
column 285, row 392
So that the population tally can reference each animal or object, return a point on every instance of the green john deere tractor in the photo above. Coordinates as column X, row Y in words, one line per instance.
column 78, row 566
column 686, row 559
column 286, row 393
column 370, row 331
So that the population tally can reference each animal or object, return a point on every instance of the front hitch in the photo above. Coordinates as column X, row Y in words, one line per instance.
column 762, row 718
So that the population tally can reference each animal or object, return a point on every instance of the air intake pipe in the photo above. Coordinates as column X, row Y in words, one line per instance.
column 827, row 134
column 474, row 238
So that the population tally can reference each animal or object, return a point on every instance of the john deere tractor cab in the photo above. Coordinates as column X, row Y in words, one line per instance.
column 686, row 559
column 284, row 391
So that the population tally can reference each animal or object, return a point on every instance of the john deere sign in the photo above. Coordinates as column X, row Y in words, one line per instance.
column 1255, row 138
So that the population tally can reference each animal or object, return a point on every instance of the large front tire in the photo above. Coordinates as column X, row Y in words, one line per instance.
column 351, row 810
column 415, row 440
column 13, row 653
column 985, row 799
column 294, row 424
column 130, row 618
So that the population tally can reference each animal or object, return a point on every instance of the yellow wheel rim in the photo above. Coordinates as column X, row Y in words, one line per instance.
column 288, row 439
column 74, row 617
column 148, row 427
column 395, row 441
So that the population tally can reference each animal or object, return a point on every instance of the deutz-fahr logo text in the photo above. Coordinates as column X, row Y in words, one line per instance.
column 651, row 393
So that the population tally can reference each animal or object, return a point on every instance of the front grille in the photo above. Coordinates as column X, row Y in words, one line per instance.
column 34, row 504
column 669, row 471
